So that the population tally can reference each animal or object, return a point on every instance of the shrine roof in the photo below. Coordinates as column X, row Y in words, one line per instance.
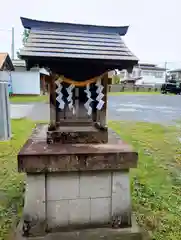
column 61, row 26
column 75, row 41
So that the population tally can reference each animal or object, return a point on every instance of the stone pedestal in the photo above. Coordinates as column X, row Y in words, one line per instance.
column 78, row 199
column 75, row 186
column 131, row 233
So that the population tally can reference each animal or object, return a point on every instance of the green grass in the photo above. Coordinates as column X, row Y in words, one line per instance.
column 28, row 99
column 133, row 93
column 11, row 182
column 156, row 183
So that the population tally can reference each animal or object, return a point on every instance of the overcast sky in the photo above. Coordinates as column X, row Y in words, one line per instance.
column 154, row 34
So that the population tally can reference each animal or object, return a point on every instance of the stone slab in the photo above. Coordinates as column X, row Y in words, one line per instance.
column 131, row 233
column 77, row 134
column 38, row 156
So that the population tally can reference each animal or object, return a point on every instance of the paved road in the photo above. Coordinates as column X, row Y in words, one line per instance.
column 150, row 108
column 21, row 110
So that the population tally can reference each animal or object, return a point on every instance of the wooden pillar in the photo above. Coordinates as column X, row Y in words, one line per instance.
column 94, row 110
column 101, row 115
column 43, row 85
column 77, row 101
column 98, row 117
column 103, row 112
column 52, row 96
column 48, row 79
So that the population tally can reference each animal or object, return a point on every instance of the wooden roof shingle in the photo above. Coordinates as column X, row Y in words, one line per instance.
column 64, row 40
column 74, row 50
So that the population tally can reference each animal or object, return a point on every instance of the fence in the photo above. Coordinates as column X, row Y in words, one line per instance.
column 129, row 88
column 5, row 126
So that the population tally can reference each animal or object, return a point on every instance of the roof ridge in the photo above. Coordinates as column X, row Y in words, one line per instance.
column 37, row 24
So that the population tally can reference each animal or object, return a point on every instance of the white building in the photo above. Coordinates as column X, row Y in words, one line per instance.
column 26, row 82
column 149, row 73
column 145, row 73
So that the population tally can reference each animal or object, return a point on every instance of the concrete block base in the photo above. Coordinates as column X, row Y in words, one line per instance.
column 76, row 200
column 71, row 187
column 131, row 233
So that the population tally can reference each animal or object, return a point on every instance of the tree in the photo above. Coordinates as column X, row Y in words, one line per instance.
column 18, row 54
column 116, row 79
column 25, row 35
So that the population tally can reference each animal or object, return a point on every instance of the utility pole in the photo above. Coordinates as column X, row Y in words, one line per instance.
column 12, row 39
column 165, row 71
column 12, row 43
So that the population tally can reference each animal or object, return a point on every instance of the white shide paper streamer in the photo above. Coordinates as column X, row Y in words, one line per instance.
column 100, row 95
column 60, row 95
column 88, row 103
column 69, row 98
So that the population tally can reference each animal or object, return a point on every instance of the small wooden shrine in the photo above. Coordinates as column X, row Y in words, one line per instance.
column 77, row 170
